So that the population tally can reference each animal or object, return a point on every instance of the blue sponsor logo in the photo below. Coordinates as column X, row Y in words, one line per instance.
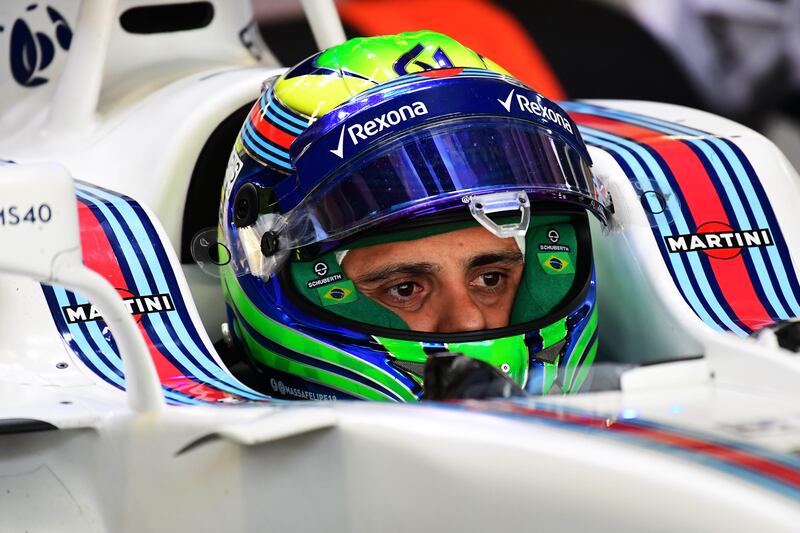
column 32, row 51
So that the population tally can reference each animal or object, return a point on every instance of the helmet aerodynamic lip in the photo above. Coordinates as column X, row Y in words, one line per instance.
column 462, row 92
column 370, row 118
column 568, row 304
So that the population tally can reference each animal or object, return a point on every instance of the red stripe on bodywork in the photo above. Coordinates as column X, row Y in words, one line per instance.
column 98, row 255
column 269, row 130
column 766, row 467
column 704, row 204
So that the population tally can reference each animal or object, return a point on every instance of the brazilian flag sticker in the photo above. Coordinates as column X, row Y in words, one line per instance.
column 337, row 293
column 555, row 263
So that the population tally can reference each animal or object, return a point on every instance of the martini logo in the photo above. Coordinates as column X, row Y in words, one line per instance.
column 718, row 240
column 537, row 108
column 339, row 293
column 556, row 263
column 137, row 306
column 372, row 127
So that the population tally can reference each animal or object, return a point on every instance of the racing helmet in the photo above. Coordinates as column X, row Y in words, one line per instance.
column 389, row 143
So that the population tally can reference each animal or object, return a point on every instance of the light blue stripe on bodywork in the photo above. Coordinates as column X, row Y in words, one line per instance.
column 742, row 219
column 602, row 140
column 143, row 287
column 744, row 181
column 110, row 356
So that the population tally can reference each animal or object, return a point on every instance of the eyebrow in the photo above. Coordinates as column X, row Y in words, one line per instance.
column 491, row 258
column 397, row 268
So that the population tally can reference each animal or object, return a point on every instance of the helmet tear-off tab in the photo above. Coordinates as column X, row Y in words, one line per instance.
column 482, row 205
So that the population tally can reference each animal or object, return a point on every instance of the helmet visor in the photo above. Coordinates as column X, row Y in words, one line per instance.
column 426, row 169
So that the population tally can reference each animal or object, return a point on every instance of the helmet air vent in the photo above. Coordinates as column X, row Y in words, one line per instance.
column 167, row 18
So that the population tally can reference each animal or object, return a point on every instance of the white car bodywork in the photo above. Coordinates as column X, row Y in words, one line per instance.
column 706, row 443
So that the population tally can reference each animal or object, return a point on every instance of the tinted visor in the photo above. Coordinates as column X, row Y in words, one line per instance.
column 430, row 167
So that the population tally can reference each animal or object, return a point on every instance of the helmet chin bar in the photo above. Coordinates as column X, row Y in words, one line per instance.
column 482, row 205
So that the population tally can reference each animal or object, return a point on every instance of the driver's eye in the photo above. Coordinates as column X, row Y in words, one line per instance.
column 491, row 279
column 403, row 293
column 405, row 289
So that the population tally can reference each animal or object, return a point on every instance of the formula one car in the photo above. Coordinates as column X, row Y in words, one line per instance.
column 119, row 414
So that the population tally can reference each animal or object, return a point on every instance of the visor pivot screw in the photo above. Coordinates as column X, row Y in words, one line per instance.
column 227, row 336
column 245, row 206
column 269, row 243
column 523, row 200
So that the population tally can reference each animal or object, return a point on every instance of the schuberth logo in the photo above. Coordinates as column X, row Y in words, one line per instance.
column 324, row 281
column 718, row 240
column 137, row 306
column 321, row 268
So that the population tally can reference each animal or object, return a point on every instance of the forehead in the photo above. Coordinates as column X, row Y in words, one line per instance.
column 445, row 247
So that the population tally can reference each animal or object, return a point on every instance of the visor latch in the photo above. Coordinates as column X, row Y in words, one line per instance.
column 482, row 205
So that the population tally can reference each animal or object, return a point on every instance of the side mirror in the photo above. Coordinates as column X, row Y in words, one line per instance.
column 454, row 376
column 38, row 221
column 40, row 238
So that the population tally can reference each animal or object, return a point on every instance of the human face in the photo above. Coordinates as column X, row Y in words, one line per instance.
column 463, row 280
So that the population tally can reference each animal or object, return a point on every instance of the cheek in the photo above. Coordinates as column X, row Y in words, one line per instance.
column 421, row 320
column 498, row 314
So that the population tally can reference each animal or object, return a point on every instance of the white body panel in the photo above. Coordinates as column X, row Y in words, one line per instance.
column 628, row 459
column 116, row 143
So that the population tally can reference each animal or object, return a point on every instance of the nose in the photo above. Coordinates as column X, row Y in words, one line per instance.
column 458, row 311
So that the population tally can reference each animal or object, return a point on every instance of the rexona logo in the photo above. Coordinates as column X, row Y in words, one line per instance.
column 360, row 132
column 137, row 306
column 535, row 108
column 718, row 240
